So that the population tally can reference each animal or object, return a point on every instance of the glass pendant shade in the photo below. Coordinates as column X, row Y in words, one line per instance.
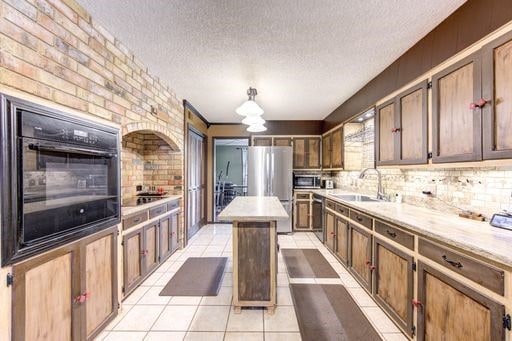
column 256, row 128
column 249, row 108
column 253, row 120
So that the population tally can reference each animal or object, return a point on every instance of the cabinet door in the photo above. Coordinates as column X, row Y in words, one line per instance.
column 412, row 122
column 302, row 214
column 150, row 248
column 313, row 153
column 100, row 264
column 337, row 148
column 330, row 234
column 299, row 153
column 326, row 151
column 43, row 297
column 393, row 283
column 262, row 141
column 342, row 239
column 497, row 91
column 386, row 137
column 133, row 272
column 361, row 255
column 282, row 141
column 449, row 310
column 165, row 238
column 456, row 125
column 174, row 231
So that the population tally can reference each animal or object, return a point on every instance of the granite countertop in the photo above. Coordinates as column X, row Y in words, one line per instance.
column 477, row 237
column 127, row 210
column 254, row 209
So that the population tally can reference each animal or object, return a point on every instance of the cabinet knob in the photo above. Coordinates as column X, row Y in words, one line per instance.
column 395, row 130
column 417, row 304
column 478, row 104
column 144, row 252
column 83, row 297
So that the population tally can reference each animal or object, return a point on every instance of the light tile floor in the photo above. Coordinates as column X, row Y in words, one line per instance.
column 147, row 316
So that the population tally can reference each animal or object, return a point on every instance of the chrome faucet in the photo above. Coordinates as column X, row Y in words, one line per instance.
column 380, row 191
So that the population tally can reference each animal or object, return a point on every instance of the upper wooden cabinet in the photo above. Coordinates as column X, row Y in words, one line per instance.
column 306, row 152
column 401, row 128
column 337, row 148
column 262, row 141
column 326, row 151
column 69, row 293
column 456, row 121
column 497, row 96
column 282, row 141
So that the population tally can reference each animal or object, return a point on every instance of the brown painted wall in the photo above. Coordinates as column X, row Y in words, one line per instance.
column 471, row 22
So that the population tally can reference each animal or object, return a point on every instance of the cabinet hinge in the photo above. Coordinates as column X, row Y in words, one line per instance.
column 413, row 329
column 413, row 266
column 9, row 280
column 429, row 155
column 429, row 85
column 507, row 324
column 122, row 243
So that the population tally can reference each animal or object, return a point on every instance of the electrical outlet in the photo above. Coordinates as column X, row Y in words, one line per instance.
column 431, row 189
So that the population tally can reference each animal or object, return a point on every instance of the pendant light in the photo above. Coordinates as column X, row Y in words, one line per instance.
column 252, row 112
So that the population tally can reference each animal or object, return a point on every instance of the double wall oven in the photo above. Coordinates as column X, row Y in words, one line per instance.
column 60, row 178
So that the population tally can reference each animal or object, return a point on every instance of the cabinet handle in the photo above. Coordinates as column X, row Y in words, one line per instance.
column 83, row 297
column 358, row 218
column 458, row 265
column 391, row 234
column 136, row 220
column 417, row 304
column 395, row 130
column 144, row 252
column 333, row 234
column 479, row 104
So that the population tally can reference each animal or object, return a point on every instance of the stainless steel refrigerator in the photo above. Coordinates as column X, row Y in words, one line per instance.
column 270, row 173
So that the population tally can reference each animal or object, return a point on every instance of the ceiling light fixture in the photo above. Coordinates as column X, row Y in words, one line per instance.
column 252, row 112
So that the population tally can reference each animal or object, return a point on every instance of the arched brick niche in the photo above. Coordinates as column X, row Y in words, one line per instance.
column 150, row 156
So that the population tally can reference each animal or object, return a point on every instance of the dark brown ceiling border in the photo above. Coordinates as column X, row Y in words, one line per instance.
column 188, row 105
column 468, row 24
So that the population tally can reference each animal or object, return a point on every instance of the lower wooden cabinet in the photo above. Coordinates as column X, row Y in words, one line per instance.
column 69, row 293
column 151, row 250
column 393, row 283
column 168, row 236
column 361, row 255
column 133, row 267
column 449, row 310
column 342, row 238
column 330, row 228
column 302, row 215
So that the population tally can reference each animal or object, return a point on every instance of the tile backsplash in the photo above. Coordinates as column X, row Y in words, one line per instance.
column 483, row 190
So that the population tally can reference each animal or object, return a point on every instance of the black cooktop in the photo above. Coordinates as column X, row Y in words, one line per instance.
column 141, row 201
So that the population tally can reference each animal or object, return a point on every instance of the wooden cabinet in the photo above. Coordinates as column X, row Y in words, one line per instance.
column 175, row 221
column 342, row 238
column 456, row 124
column 393, row 283
column 497, row 95
column 69, row 293
column 302, row 215
column 150, row 250
column 165, row 237
column 306, row 152
column 326, row 150
column 361, row 255
column 133, row 267
column 449, row 310
column 330, row 228
column 337, row 148
column 262, row 141
column 282, row 141
column 401, row 129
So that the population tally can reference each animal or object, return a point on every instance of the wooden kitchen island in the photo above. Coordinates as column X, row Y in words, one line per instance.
column 254, row 250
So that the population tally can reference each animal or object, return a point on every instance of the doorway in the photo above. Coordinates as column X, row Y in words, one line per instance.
column 229, row 171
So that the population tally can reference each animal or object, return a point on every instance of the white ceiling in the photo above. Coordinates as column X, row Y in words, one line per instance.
column 305, row 57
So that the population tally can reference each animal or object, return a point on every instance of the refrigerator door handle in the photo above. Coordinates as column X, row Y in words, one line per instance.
column 271, row 191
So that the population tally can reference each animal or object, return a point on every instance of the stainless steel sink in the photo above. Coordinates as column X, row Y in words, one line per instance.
column 354, row 197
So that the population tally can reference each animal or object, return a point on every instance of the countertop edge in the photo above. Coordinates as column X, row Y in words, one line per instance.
column 129, row 210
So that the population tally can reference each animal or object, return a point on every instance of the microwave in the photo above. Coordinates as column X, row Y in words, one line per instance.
column 306, row 181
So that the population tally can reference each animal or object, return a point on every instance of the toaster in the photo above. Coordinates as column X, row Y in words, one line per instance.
column 328, row 184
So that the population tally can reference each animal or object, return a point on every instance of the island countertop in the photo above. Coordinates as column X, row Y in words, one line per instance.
column 254, row 209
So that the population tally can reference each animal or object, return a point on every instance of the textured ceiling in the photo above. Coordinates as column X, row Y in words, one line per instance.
column 304, row 57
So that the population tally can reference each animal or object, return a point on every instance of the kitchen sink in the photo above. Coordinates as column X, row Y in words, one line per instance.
column 354, row 197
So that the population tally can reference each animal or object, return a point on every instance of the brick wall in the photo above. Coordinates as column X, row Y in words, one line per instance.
column 53, row 49
column 485, row 190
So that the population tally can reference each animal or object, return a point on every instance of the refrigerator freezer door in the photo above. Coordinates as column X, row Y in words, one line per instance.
column 258, row 171
column 285, row 226
column 281, row 179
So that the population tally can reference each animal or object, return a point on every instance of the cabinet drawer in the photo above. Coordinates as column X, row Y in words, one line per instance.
column 173, row 205
column 395, row 234
column 362, row 219
column 330, row 204
column 135, row 220
column 156, row 211
column 484, row 274
column 343, row 210
column 302, row 196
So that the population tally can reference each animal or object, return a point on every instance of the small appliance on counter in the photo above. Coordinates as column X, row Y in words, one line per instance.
column 306, row 181
column 502, row 220
column 327, row 184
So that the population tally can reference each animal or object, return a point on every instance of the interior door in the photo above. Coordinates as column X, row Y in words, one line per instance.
column 196, row 183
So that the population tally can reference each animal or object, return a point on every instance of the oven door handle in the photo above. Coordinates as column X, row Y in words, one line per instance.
column 70, row 149
column 317, row 200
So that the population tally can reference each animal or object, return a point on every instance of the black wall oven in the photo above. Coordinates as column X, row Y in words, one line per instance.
column 60, row 179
